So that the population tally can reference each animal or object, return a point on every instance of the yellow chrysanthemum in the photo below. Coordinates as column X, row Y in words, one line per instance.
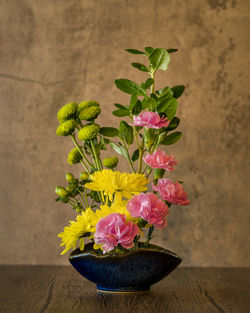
column 112, row 182
column 105, row 210
column 75, row 231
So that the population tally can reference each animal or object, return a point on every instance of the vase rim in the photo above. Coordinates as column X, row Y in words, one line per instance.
column 90, row 251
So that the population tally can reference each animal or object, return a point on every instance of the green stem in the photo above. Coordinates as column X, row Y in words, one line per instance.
column 80, row 151
column 86, row 196
column 85, row 166
column 141, row 152
column 150, row 231
column 95, row 155
column 129, row 159
column 83, row 201
column 152, row 88
column 100, row 194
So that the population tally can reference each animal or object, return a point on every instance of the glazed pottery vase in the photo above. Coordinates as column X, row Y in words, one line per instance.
column 131, row 272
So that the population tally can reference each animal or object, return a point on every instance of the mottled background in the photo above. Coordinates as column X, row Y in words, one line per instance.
column 56, row 51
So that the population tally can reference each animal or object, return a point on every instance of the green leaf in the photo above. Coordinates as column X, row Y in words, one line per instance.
column 115, row 147
column 173, row 124
column 149, row 82
column 169, row 107
column 140, row 67
column 126, row 132
column 120, row 150
column 165, row 94
column 121, row 113
column 172, row 50
column 130, row 87
column 178, row 90
column 144, row 103
column 109, row 131
column 172, row 138
column 135, row 155
column 134, row 51
column 149, row 49
column 133, row 101
column 137, row 108
column 119, row 106
column 159, row 59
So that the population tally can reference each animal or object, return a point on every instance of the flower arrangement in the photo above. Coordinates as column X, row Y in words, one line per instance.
column 114, row 209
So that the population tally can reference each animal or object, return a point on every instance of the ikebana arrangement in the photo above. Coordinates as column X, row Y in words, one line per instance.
column 116, row 213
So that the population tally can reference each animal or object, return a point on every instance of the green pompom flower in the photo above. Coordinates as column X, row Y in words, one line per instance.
column 61, row 191
column 74, row 156
column 67, row 112
column 66, row 128
column 89, row 113
column 110, row 162
column 87, row 104
column 84, row 176
column 69, row 177
column 88, row 132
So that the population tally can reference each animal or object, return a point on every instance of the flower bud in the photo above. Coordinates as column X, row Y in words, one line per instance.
column 61, row 191
column 84, row 175
column 110, row 162
column 158, row 173
column 69, row 177
column 87, row 104
column 90, row 113
column 88, row 132
column 74, row 156
column 67, row 112
column 66, row 128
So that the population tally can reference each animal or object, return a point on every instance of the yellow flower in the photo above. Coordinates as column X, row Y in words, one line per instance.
column 117, row 207
column 76, row 230
column 112, row 182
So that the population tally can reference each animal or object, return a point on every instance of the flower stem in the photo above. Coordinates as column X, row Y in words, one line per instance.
column 141, row 151
column 86, row 196
column 129, row 159
column 149, row 237
column 152, row 88
column 80, row 151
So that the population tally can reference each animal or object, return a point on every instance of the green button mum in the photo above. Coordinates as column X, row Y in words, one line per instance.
column 110, row 162
column 90, row 113
column 87, row 104
column 84, row 175
column 74, row 156
column 88, row 132
column 61, row 191
column 66, row 128
column 67, row 112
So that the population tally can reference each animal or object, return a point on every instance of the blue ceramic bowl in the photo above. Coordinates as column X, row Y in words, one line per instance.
column 132, row 272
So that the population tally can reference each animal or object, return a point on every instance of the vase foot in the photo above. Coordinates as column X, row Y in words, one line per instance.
column 121, row 291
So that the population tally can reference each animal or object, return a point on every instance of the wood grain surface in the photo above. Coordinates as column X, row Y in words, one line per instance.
column 40, row 289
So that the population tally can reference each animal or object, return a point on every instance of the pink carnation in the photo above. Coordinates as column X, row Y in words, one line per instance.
column 149, row 207
column 150, row 120
column 171, row 192
column 159, row 159
column 113, row 230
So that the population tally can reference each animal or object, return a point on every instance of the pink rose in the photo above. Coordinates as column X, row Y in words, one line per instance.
column 159, row 159
column 113, row 230
column 150, row 120
column 171, row 192
column 149, row 207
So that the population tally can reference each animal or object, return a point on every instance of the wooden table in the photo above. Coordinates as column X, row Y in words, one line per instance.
column 31, row 289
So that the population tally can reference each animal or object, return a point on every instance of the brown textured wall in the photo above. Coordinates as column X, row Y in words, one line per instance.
column 53, row 52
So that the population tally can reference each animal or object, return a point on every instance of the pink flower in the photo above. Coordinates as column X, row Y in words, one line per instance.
column 159, row 159
column 113, row 230
column 150, row 120
column 171, row 192
column 149, row 207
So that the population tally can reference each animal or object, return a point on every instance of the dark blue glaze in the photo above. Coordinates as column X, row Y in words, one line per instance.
column 134, row 271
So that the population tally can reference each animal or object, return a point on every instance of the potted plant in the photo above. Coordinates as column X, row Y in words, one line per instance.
column 116, row 213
